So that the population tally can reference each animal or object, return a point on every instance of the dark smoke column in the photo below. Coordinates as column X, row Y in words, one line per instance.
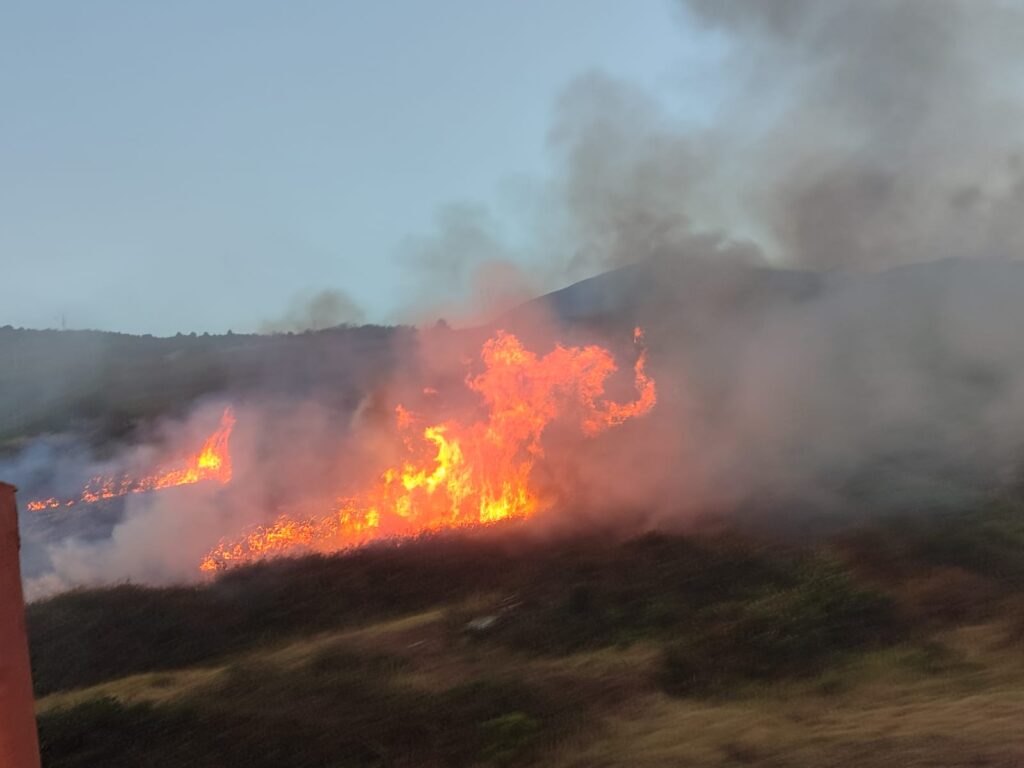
column 19, row 744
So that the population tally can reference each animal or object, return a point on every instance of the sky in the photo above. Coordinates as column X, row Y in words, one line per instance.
column 196, row 165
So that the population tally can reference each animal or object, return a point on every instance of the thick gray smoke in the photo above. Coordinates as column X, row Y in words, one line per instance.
column 463, row 272
column 283, row 451
column 875, row 132
column 127, row 538
column 855, row 134
column 901, row 390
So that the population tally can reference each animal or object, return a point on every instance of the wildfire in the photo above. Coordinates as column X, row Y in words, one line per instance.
column 464, row 474
column 212, row 462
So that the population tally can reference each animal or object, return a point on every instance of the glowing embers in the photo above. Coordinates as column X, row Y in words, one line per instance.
column 462, row 474
column 212, row 462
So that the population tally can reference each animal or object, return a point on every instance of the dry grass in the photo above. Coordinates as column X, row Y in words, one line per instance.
column 887, row 712
column 809, row 667
column 895, row 706
column 162, row 687
column 982, row 729
column 152, row 687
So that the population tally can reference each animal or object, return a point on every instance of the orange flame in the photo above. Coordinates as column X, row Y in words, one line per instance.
column 213, row 462
column 461, row 475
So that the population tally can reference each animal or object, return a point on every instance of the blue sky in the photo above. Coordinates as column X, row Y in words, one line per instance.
column 192, row 165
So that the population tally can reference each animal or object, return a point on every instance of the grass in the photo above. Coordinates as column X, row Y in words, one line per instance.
column 333, row 703
column 501, row 649
column 570, row 594
column 789, row 632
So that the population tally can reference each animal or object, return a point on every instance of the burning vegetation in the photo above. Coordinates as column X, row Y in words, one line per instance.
column 212, row 462
column 464, row 473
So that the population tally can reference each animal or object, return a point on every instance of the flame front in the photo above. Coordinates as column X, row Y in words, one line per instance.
column 463, row 474
column 212, row 462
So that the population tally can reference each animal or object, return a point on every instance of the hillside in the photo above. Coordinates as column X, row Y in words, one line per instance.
column 853, row 594
column 103, row 383
column 894, row 643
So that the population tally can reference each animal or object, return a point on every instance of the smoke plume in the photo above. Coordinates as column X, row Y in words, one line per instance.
column 857, row 134
column 463, row 272
column 315, row 312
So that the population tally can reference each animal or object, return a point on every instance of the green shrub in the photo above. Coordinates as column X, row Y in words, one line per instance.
column 265, row 717
column 795, row 631
column 572, row 593
column 647, row 588
column 104, row 732
column 933, row 658
column 509, row 738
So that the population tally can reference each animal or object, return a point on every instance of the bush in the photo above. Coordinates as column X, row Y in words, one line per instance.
column 574, row 593
column 509, row 738
column 266, row 717
column 105, row 732
column 796, row 631
column 647, row 588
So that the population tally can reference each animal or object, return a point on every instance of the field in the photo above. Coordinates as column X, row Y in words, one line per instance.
column 897, row 642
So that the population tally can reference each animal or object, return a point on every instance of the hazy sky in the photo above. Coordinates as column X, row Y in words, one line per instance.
column 193, row 165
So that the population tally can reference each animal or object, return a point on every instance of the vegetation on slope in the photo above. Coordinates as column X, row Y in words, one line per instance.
column 105, row 384
column 494, row 648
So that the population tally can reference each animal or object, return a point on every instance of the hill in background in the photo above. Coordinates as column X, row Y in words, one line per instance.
column 102, row 383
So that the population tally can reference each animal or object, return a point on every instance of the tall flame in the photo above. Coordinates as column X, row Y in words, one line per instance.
column 463, row 474
column 212, row 462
